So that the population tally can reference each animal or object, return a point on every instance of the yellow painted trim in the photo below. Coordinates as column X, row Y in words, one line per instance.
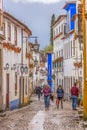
column 84, row 63
column 26, row 99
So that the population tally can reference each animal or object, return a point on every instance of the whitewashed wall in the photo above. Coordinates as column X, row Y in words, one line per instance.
column 58, row 46
column 11, row 58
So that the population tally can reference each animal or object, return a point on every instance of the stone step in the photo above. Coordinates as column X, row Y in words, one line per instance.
column 2, row 114
column 80, row 111
column 85, row 125
column 80, row 116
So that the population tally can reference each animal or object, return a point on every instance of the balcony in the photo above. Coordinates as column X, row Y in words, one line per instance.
column 59, row 59
column 78, row 64
column 28, row 55
column 31, row 65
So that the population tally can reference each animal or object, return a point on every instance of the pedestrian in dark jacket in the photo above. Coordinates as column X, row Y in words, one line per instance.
column 60, row 95
column 74, row 95
column 38, row 92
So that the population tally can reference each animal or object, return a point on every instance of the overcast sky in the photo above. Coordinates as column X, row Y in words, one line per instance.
column 36, row 14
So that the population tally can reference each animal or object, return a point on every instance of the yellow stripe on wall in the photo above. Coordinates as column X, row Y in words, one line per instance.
column 26, row 99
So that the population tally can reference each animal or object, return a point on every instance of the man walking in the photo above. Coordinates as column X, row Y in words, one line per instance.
column 74, row 96
column 38, row 92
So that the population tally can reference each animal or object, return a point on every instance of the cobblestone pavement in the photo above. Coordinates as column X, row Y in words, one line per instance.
column 34, row 117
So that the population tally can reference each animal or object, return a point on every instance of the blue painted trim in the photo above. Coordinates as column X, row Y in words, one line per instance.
column 72, row 9
column 49, row 78
column 70, row 5
column 72, row 13
column 14, row 104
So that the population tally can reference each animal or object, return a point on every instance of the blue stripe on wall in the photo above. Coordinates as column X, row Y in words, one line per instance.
column 50, row 69
column 72, row 8
column 14, row 104
column 72, row 13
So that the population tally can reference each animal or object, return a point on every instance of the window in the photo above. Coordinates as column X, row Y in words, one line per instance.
column 80, row 72
column 62, row 83
column 9, row 31
column 4, row 29
column 73, row 47
column 68, row 17
column 59, row 29
column 59, row 53
column 69, row 48
column 62, row 52
column 15, row 84
column 64, row 29
column 54, row 56
column 56, row 31
column 57, row 82
column 15, row 35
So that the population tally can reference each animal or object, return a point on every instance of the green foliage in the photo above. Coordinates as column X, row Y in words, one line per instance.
column 53, row 19
column 51, row 30
column 48, row 48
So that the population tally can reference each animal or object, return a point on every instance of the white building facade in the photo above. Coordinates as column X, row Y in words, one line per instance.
column 58, row 33
column 15, row 64
column 67, row 49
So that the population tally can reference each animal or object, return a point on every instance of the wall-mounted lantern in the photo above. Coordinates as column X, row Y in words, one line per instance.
column 35, row 62
column 13, row 67
column 6, row 66
column 36, row 47
column 24, row 69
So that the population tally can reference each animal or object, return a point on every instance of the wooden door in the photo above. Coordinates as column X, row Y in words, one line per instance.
column 7, row 90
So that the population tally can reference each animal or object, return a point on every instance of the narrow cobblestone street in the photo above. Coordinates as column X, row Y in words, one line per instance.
column 34, row 117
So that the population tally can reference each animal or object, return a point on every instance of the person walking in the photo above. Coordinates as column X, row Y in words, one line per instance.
column 74, row 95
column 38, row 92
column 60, row 95
column 47, row 92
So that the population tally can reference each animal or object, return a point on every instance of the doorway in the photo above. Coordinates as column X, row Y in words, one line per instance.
column 7, row 90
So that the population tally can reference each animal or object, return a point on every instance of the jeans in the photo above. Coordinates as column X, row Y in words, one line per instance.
column 74, row 102
column 47, row 101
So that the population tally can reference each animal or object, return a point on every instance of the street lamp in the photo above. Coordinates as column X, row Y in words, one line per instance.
column 36, row 45
column 13, row 67
column 35, row 62
column 6, row 66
